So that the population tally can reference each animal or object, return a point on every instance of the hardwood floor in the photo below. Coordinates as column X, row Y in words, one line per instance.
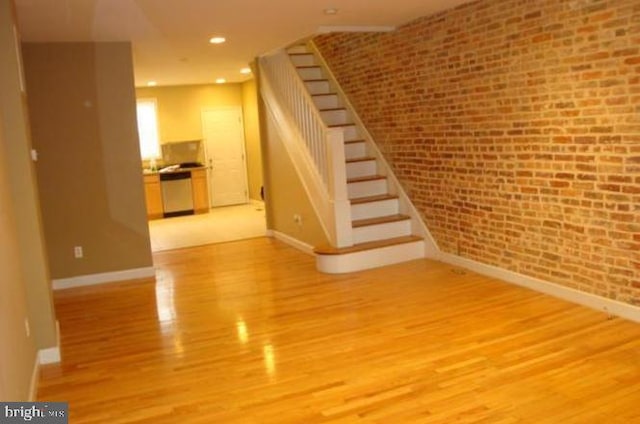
column 249, row 332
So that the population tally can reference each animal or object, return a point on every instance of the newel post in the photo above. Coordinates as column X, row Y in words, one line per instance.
column 338, row 187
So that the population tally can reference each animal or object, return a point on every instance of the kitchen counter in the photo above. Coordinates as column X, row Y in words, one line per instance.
column 150, row 172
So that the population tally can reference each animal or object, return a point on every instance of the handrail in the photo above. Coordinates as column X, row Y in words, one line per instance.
column 290, row 92
column 316, row 150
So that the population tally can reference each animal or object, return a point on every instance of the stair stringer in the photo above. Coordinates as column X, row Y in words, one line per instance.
column 418, row 226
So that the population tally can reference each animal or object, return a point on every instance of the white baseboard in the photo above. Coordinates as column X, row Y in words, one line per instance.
column 293, row 242
column 44, row 356
column 106, row 277
column 51, row 355
column 593, row 301
column 35, row 377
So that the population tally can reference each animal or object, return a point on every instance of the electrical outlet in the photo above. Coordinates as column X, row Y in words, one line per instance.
column 27, row 327
column 78, row 252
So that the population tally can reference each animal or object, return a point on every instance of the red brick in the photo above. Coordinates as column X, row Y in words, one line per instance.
column 512, row 126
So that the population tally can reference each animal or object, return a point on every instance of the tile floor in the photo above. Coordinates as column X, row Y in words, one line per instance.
column 220, row 225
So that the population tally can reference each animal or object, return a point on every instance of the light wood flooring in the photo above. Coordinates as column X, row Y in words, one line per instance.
column 249, row 332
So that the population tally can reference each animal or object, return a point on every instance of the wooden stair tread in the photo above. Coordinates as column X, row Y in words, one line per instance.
column 353, row 141
column 367, row 178
column 346, row 124
column 361, row 247
column 332, row 109
column 307, row 67
column 371, row 199
column 316, row 80
column 300, row 54
column 324, row 94
column 380, row 220
column 363, row 159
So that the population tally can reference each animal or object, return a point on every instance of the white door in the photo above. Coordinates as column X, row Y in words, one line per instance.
column 223, row 134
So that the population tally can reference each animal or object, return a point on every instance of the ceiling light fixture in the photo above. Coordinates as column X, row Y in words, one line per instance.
column 221, row 81
column 331, row 11
column 217, row 40
column 245, row 71
column 152, row 83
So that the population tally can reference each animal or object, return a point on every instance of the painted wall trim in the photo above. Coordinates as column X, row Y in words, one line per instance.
column 46, row 356
column 51, row 355
column 324, row 29
column 593, row 301
column 106, row 277
column 35, row 377
column 291, row 241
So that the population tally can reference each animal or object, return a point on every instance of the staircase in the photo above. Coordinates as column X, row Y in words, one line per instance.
column 385, row 228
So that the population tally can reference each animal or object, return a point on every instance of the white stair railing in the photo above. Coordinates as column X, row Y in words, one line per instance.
column 317, row 151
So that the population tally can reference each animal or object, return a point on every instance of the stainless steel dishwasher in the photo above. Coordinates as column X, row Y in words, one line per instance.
column 177, row 197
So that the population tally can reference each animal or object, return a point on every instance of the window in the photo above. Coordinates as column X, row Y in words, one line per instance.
column 148, row 128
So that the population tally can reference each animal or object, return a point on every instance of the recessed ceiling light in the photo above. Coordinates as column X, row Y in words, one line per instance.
column 217, row 40
column 330, row 11
column 245, row 71
column 152, row 83
column 221, row 81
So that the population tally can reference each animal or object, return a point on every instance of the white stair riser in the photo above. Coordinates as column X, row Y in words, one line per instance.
column 351, row 133
column 382, row 231
column 361, row 169
column 297, row 49
column 367, row 188
column 367, row 259
column 317, row 87
column 326, row 102
column 335, row 117
column 303, row 60
column 375, row 209
column 310, row 73
column 355, row 150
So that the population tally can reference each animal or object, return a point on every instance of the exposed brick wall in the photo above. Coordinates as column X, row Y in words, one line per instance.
column 514, row 126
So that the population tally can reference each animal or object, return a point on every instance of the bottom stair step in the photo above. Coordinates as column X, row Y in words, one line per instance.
column 369, row 255
column 330, row 250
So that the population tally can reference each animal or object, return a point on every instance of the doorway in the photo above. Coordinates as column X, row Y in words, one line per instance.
column 223, row 138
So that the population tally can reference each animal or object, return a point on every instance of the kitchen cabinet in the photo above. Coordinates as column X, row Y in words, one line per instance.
column 200, row 190
column 153, row 193
column 153, row 196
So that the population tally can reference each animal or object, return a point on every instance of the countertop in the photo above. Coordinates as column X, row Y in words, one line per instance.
column 150, row 172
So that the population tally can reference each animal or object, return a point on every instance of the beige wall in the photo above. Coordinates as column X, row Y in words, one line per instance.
column 24, row 284
column 17, row 351
column 284, row 194
column 179, row 107
column 180, row 117
column 252, row 137
column 82, row 110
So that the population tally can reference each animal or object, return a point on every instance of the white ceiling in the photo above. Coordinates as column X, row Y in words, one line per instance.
column 170, row 37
